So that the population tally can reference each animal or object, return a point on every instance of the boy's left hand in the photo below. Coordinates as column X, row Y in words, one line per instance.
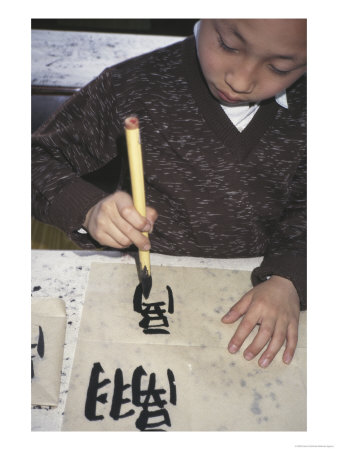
column 274, row 305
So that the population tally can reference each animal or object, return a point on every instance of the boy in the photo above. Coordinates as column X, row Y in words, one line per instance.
column 224, row 160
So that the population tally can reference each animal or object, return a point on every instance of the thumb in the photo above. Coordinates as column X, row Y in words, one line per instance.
column 151, row 215
column 239, row 308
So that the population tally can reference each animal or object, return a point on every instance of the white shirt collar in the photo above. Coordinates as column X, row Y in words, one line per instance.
column 280, row 98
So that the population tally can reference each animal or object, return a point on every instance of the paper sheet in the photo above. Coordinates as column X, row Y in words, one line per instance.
column 48, row 326
column 162, row 363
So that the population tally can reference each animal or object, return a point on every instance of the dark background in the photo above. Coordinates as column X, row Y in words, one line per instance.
column 168, row 27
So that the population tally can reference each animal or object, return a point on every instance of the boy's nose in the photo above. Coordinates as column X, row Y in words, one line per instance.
column 240, row 84
column 241, row 79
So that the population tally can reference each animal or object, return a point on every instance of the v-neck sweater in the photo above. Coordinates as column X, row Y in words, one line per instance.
column 219, row 193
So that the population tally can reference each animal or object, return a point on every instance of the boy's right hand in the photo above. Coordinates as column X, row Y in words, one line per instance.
column 114, row 222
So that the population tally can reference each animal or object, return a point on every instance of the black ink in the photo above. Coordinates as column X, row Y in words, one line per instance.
column 172, row 386
column 137, row 300
column 155, row 331
column 171, row 300
column 143, row 424
column 150, row 392
column 41, row 344
column 153, row 414
column 153, row 314
column 40, row 348
column 118, row 399
column 146, row 282
column 92, row 398
column 36, row 288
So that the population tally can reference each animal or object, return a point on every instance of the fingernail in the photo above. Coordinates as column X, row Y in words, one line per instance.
column 146, row 247
column 147, row 227
column 248, row 356
column 265, row 362
column 287, row 359
column 227, row 315
column 233, row 348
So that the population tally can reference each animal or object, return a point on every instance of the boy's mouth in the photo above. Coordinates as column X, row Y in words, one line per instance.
column 228, row 99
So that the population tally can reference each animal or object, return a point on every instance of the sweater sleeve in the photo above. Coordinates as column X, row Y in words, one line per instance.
column 78, row 140
column 286, row 253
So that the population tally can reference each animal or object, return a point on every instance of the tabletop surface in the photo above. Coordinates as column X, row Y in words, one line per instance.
column 64, row 274
column 74, row 58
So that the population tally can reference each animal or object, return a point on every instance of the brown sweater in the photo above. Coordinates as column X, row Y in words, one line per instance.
column 218, row 192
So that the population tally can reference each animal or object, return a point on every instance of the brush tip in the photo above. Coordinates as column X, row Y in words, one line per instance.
column 146, row 285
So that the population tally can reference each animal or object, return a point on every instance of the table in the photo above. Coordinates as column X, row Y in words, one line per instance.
column 64, row 274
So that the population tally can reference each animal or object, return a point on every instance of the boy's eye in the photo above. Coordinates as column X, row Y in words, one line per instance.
column 279, row 72
column 224, row 46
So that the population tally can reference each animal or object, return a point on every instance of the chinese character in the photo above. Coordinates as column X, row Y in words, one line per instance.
column 153, row 313
column 39, row 349
column 153, row 414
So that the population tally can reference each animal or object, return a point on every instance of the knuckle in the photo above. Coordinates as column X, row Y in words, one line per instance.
column 279, row 337
column 266, row 330
column 292, row 340
column 127, row 211
column 99, row 236
column 142, row 223
column 128, row 229
column 260, row 301
column 125, row 241
column 100, row 221
column 247, row 322
column 153, row 214
column 104, row 207
column 270, row 354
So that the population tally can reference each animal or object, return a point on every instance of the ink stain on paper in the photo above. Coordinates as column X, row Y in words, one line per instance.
column 255, row 407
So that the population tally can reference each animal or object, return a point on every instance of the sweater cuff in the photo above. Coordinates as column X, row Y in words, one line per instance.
column 292, row 267
column 68, row 211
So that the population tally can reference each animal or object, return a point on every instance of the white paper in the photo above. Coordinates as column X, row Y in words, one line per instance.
column 213, row 390
column 48, row 325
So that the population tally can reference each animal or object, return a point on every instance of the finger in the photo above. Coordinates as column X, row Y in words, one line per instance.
column 135, row 236
column 277, row 340
column 151, row 215
column 129, row 213
column 106, row 239
column 125, row 231
column 291, row 342
column 262, row 337
column 238, row 309
column 115, row 234
column 244, row 329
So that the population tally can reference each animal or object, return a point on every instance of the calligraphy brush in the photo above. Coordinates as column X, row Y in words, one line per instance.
column 132, row 131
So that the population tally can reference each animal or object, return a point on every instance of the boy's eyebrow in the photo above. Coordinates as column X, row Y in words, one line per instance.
column 238, row 34
column 241, row 38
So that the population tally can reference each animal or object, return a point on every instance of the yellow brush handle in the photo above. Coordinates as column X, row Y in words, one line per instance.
column 137, row 179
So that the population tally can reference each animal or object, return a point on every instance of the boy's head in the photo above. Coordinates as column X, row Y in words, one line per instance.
column 249, row 60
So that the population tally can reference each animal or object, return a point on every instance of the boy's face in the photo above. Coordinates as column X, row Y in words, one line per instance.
column 249, row 60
